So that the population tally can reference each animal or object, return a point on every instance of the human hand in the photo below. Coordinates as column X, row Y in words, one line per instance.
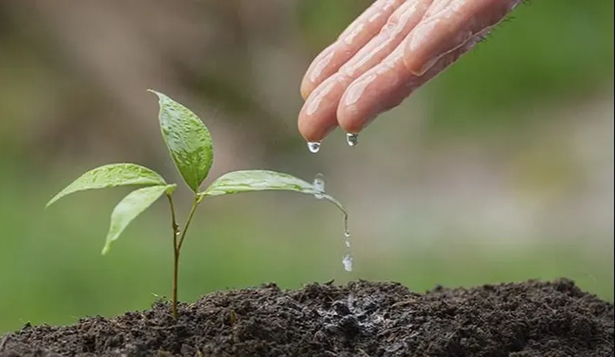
column 389, row 51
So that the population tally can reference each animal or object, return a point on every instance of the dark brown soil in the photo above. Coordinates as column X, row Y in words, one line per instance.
column 360, row 319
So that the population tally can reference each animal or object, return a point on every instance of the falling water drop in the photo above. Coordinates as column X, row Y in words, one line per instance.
column 319, row 186
column 313, row 146
column 346, row 231
column 352, row 139
column 319, row 192
column 347, row 261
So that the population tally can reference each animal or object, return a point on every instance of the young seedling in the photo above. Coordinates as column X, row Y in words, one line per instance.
column 190, row 146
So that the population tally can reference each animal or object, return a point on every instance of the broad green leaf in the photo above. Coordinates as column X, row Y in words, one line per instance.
column 112, row 175
column 257, row 180
column 263, row 180
column 187, row 139
column 130, row 207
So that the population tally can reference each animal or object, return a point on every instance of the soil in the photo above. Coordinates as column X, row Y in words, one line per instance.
column 361, row 319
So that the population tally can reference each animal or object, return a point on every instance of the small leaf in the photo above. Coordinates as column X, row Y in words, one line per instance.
column 187, row 139
column 264, row 180
column 112, row 175
column 130, row 207
column 257, row 180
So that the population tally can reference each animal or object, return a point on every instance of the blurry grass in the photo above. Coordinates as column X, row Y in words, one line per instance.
column 51, row 270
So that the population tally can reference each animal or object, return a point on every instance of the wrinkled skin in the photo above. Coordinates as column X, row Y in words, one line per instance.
column 388, row 52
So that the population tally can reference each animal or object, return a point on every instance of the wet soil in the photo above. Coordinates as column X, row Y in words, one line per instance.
column 359, row 319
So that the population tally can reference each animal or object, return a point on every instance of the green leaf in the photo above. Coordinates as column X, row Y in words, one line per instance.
column 112, row 175
column 263, row 180
column 187, row 139
column 257, row 180
column 130, row 207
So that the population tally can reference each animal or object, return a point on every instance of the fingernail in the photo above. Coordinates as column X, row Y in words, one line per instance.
column 424, row 68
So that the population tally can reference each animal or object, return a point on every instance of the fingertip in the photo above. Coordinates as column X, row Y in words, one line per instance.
column 352, row 121
column 382, row 88
column 314, row 127
column 305, row 89
column 313, row 133
column 354, row 127
column 308, row 84
column 317, row 117
column 358, row 105
column 351, row 118
column 306, row 126
column 410, row 60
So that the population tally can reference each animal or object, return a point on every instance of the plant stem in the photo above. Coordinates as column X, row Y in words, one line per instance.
column 175, row 276
column 177, row 244
column 175, row 229
column 190, row 215
column 174, row 225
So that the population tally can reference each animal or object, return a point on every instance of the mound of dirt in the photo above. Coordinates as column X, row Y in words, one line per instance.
column 361, row 319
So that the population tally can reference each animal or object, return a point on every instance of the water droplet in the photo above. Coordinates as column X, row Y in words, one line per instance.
column 319, row 186
column 313, row 146
column 347, row 261
column 352, row 139
column 346, row 231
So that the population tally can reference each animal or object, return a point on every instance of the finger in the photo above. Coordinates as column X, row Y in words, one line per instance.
column 350, row 41
column 448, row 25
column 318, row 117
column 386, row 86
column 379, row 9
column 403, row 20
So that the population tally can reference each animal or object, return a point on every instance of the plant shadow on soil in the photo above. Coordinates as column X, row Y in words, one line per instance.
column 531, row 318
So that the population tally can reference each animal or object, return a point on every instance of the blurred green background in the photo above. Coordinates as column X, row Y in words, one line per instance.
column 500, row 169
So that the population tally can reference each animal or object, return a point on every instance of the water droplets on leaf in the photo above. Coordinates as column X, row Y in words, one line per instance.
column 187, row 139
column 319, row 186
column 112, row 175
column 313, row 146
column 352, row 139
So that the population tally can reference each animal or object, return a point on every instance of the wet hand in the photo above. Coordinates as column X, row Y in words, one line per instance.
column 389, row 51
